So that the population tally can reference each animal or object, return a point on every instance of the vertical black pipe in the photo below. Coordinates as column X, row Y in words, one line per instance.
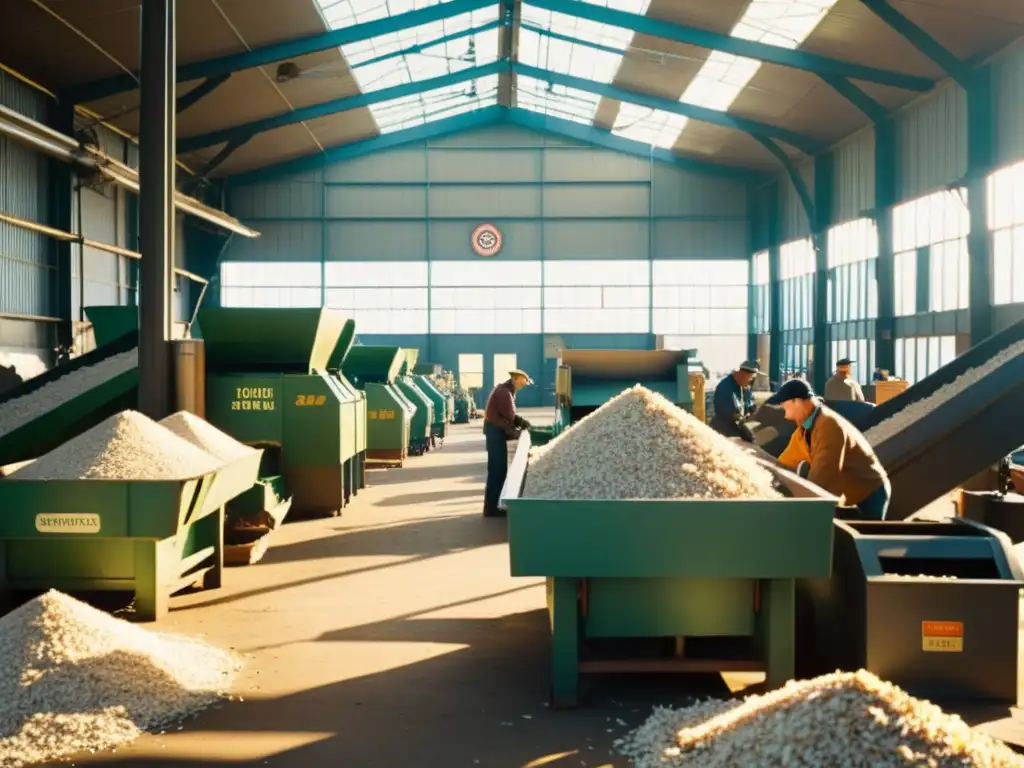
column 156, row 206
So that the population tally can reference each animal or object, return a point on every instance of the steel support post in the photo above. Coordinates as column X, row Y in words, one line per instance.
column 156, row 206
column 823, row 170
column 885, row 198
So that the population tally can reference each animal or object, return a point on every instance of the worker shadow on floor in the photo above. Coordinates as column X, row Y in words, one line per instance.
column 427, row 538
column 475, row 471
column 480, row 702
column 430, row 497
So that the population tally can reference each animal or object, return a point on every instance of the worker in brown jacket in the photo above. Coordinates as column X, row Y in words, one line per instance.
column 839, row 458
column 501, row 424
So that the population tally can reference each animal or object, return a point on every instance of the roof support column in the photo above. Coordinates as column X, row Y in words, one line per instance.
column 824, row 165
column 980, row 159
column 156, row 205
column 774, row 288
column 61, row 204
column 885, row 198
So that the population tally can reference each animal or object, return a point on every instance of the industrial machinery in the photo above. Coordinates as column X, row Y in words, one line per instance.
column 445, row 384
column 967, row 433
column 151, row 537
column 389, row 413
column 930, row 606
column 442, row 413
column 713, row 579
column 420, row 433
column 267, row 385
column 587, row 378
column 353, row 395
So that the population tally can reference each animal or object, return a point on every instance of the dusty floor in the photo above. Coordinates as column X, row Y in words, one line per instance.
column 394, row 636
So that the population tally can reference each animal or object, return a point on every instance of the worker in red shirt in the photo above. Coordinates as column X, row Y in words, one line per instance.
column 501, row 424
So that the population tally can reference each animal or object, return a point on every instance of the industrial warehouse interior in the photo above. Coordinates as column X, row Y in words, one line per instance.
column 511, row 383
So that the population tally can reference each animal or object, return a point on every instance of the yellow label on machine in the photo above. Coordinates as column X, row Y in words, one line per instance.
column 942, row 636
column 253, row 399
column 302, row 400
column 69, row 523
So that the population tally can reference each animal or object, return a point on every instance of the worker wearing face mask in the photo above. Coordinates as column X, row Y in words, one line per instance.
column 730, row 410
column 501, row 424
column 842, row 385
column 831, row 452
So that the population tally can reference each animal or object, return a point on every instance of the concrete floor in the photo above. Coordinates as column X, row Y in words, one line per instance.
column 394, row 636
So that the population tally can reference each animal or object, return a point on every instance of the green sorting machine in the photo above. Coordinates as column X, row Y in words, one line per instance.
column 421, row 431
column 268, row 385
column 442, row 413
column 353, row 394
column 150, row 537
column 588, row 378
column 389, row 414
column 710, row 581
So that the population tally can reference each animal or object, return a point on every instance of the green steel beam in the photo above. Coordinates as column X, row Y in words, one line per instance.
column 774, row 285
column 755, row 128
column 794, row 177
column 869, row 106
column 488, row 116
column 201, row 91
column 824, row 169
column 980, row 161
column 886, row 191
column 334, row 106
column 289, row 49
column 508, row 47
column 921, row 40
column 750, row 49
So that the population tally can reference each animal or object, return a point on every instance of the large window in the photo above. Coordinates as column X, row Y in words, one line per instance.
column 923, row 356
column 796, row 274
column 762, row 309
column 1006, row 220
column 852, row 286
column 701, row 297
column 270, row 284
column 382, row 297
column 596, row 296
column 931, row 266
column 485, row 297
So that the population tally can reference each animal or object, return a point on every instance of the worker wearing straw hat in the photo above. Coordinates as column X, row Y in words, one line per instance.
column 730, row 409
column 501, row 424
column 831, row 452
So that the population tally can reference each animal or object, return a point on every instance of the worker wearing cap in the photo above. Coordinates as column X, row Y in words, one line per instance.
column 842, row 385
column 836, row 455
column 730, row 411
column 501, row 424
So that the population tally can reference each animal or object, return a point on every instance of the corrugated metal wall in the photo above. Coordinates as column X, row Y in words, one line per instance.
column 931, row 142
column 793, row 222
column 26, row 258
column 553, row 199
column 853, row 180
column 1008, row 93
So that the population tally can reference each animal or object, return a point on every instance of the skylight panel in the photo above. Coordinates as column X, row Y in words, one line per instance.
column 411, row 55
column 651, row 126
column 437, row 104
column 567, row 57
column 556, row 100
column 784, row 23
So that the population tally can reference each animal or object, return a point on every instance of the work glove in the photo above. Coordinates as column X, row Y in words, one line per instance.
column 803, row 469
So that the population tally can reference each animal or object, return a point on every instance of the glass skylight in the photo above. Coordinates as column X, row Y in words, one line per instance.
column 554, row 53
column 784, row 23
column 556, row 100
column 420, row 108
column 651, row 126
column 420, row 53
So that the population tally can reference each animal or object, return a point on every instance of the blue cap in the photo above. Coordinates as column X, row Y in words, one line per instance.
column 794, row 389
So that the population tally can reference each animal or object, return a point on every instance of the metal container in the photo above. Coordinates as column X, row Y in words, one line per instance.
column 188, row 358
column 946, row 638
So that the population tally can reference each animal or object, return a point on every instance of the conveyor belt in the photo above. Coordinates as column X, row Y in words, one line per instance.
column 961, row 437
column 61, row 419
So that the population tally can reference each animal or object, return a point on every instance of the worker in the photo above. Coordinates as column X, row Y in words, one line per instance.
column 842, row 385
column 831, row 452
column 501, row 424
column 880, row 374
column 730, row 412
